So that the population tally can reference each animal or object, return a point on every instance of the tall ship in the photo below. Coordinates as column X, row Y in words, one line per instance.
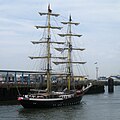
column 48, row 98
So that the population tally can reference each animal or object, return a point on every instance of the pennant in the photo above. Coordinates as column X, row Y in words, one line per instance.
column 49, row 10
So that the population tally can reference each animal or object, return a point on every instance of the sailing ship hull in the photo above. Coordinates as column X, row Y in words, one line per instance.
column 50, row 103
column 35, row 101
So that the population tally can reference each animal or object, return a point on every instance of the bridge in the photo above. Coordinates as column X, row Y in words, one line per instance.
column 20, row 76
column 15, row 82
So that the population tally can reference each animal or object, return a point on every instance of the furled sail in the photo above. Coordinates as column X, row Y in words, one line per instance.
column 37, row 42
column 62, row 49
column 46, row 57
column 69, row 34
column 75, row 23
column 52, row 27
column 57, row 63
column 52, row 14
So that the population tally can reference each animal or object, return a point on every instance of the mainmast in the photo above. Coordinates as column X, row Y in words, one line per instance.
column 70, row 48
column 48, row 42
column 70, row 72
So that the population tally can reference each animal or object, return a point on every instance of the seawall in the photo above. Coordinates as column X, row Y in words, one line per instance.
column 10, row 91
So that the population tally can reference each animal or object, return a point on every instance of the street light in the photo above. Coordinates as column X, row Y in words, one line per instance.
column 97, row 68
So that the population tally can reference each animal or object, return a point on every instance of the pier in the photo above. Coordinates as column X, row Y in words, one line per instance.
column 14, row 83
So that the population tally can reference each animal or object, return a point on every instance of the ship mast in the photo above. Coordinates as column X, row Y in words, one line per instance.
column 70, row 48
column 48, row 42
column 48, row 53
column 69, row 54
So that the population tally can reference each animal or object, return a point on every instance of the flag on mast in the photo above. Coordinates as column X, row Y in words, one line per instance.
column 49, row 10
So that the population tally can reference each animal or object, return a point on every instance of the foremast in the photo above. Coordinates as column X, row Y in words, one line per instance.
column 48, row 53
column 48, row 42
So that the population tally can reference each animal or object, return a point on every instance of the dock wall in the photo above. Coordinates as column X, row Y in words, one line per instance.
column 11, row 91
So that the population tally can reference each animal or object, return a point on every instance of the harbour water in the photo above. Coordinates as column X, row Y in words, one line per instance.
column 93, row 107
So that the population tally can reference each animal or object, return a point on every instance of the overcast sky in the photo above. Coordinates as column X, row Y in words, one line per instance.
column 99, row 25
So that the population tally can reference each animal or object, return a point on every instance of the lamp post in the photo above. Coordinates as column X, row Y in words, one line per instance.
column 97, row 69
column 97, row 73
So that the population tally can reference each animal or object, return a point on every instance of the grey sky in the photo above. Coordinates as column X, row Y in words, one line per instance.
column 100, row 27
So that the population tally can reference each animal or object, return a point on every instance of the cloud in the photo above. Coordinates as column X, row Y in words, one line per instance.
column 99, row 25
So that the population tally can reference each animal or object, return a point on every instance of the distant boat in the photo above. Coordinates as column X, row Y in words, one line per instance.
column 48, row 98
column 115, row 77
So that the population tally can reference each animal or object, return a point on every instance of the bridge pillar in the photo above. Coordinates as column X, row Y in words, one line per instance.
column 22, row 80
column 15, row 77
column 7, row 78
column 28, row 78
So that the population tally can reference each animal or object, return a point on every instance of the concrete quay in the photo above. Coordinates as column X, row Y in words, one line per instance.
column 10, row 91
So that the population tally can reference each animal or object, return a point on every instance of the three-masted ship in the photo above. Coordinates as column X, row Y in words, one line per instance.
column 48, row 98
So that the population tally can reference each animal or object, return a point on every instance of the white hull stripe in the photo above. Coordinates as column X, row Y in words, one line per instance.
column 57, row 99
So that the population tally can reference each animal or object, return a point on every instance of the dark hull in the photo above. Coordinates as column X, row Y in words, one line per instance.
column 49, row 104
